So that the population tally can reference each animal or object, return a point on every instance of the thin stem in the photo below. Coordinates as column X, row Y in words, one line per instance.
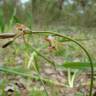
column 38, row 72
column 69, row 78
column 63, row 36
column 73, row 77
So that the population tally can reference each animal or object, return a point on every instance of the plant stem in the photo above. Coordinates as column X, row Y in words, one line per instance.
column 63, row 36
column 68, row 38
column 37, row 69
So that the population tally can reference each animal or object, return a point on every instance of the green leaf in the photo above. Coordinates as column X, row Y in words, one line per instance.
column 76, row 65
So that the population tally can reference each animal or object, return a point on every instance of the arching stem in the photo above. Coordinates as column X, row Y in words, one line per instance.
column 63, row 36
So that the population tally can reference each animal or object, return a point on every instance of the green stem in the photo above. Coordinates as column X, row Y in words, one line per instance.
column 38, row 72
column 63, row 36
column 71, row 78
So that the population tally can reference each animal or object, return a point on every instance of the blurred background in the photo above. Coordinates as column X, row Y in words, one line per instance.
column 49, row 12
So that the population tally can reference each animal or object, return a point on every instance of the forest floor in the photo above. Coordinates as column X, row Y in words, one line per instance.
column 19, row 79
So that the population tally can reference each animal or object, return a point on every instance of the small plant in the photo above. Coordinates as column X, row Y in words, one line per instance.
column 23, row 30
column 71, row 77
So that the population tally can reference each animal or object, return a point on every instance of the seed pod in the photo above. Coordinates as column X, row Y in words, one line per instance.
column 8, row 43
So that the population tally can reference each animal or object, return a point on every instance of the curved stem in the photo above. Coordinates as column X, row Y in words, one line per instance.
column 68, row 38
column 89, row 57
column 38, row 72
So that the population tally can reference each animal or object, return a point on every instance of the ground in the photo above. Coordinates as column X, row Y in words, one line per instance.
column 20, row 80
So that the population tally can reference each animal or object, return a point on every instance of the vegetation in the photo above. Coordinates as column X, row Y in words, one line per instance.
column 47, row 61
